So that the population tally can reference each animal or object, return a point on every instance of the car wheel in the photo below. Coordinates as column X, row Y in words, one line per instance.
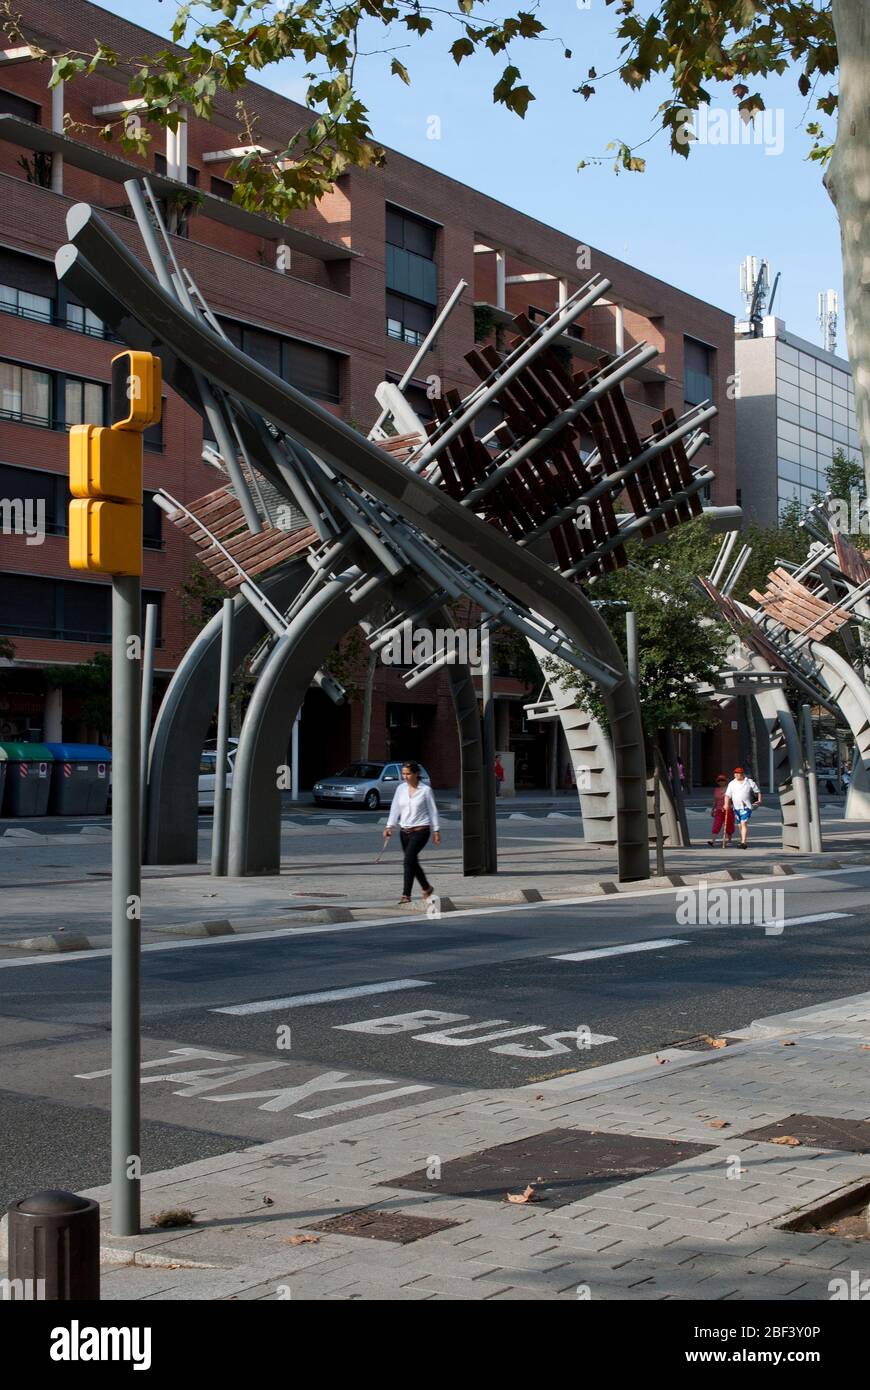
column 372, row 800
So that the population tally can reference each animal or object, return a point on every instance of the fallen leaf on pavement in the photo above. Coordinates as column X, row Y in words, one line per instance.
column 660, row 1061
column 300, row 1240
column 719, row 1124
column 522, row 1197
column 714, row 1042
column 789, row 1044
column 787, row 1139
column 267, row 1202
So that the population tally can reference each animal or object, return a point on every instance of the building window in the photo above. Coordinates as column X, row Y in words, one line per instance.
column 222, row 188
column 152, row 523
column 47, row 493
column 160, row 167
column 27, row 306
column 25, row 394
column 11, row 104
column 152, row 438
column 83, row 320
column 411, row 276
column 84, row 402
column 65, row 610
column 697, row 372
column 408, row 321
column 314, row 370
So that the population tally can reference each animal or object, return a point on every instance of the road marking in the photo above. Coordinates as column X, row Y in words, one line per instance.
column 198, row 1084
column 622, row 950
column 549, row 1045
column 817, row 917
column 323, row 996
column 453, row 920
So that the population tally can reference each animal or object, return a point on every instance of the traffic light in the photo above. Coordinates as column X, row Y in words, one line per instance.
column 105, row 517
column 136, row 381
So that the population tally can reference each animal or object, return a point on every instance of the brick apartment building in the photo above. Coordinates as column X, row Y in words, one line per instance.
column 336, row 301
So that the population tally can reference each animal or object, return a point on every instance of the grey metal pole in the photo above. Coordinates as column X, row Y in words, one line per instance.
column 148, row 646
column 488, row 749
column 219, row 817
column 631, row 646
column 126, row 905
column 294, row 758
column 812, row 779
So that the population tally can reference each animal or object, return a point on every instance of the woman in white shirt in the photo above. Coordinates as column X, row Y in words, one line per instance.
column 415, row 813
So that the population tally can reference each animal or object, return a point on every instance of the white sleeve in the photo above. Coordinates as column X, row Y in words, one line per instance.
column 393, row 818
column 433, row 810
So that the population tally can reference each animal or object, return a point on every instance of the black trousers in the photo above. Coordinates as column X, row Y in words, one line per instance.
column 413, row 842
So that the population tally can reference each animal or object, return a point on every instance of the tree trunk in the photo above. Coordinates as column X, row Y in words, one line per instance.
column 368, row 699
column 657, row 818
column 848, row 183
column 679, row 798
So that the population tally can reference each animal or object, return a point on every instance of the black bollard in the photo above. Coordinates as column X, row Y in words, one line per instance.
column 54, row 1247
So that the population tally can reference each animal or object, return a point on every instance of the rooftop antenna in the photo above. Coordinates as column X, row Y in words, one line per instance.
column 829, row 312
column 754, row 285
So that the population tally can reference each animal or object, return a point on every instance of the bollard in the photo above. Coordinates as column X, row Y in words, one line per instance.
column 54, row 1247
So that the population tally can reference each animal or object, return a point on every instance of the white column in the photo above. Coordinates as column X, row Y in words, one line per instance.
column 500, row 280
column 620, row 329
column 171, row 156
column 181, row 147
column 57, row 127
column 52, row 718
column 563, row 293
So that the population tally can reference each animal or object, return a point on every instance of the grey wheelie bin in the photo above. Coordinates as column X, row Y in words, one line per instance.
column 80, row 779
column 28, row 779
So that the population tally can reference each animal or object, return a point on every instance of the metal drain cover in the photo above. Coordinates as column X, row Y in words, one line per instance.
column 562, row 1165
column 818, row 1132
column 382, row 1225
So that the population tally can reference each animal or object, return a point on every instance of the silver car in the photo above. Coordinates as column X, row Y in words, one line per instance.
column 363, row 784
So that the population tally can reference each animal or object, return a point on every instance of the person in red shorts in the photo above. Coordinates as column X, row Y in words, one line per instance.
column 721, row 816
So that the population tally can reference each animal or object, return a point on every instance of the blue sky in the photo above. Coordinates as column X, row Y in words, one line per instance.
column 690, row 222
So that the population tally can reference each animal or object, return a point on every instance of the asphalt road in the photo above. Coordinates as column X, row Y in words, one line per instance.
column 466, row 1001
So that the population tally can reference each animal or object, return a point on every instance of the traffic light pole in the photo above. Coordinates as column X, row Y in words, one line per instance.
column 126, row 904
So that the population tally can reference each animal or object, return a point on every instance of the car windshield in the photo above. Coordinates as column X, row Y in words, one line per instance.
column 365, row 772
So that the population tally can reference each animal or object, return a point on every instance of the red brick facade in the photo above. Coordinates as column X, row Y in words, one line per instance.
column 337, row 304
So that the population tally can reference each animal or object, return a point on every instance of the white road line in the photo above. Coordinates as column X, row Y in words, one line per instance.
column 621, row 950
column 816, row 917
column 324, row 996
column 453, row 919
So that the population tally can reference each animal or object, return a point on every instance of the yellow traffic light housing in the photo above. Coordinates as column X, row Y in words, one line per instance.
column 105, row 463
column 105, row 537
column 105, row 472
column 136, row 382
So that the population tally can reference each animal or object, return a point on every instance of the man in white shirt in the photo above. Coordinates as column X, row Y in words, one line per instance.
column 415, row 813
column 741, row 795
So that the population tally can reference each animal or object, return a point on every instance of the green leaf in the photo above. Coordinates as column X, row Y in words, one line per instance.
column 399, row 70
column 462, row 48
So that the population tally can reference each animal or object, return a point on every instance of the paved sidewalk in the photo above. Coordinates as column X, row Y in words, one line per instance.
column 705, row 1227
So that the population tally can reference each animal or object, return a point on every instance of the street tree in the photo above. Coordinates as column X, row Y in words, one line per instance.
column 694, row 45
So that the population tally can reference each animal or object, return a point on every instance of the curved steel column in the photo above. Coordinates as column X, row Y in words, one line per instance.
column 463, row 534
column 183, row 720
column 848, row 690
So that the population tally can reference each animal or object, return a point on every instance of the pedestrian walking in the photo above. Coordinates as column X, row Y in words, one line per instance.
column 723, row 819
column 499, row 774
column 681, row 773
column 415, row 813
column 741, row 796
